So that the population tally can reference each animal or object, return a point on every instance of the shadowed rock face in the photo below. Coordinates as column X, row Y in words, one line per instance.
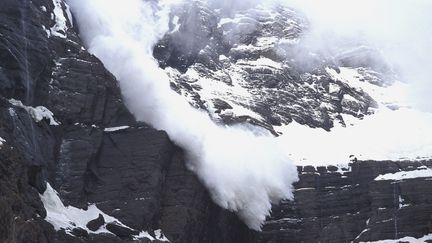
column 133, row 173
column 99, row 154
column 348, row 204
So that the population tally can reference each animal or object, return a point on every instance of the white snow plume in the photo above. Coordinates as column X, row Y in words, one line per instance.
column 228, row 6
column 399, row 29
column 245, row 170
column 400, row 32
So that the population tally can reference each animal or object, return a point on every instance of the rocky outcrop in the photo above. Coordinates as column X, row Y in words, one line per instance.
column 349, row 205
column 62, row 121
column 255, row 60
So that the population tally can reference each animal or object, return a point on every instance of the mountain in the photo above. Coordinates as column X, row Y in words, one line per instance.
column 250, row 66
column 76, row 166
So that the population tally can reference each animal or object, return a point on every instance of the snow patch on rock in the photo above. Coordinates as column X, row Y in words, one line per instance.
column 37, row 113
column 398, row 135
column 114, row 129
column 407, row 239
column 395, row 94
column 60, row 27
column 69, row 217
column 402, row 175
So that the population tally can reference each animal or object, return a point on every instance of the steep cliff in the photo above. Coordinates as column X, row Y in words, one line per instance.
column 63, row 122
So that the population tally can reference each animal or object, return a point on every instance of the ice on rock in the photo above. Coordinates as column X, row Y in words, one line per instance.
column 69, row 217
column 407, row 239
column 60, row 27
column 37, row 113
column 114, row 129
column 402, row 175
column 2, row 141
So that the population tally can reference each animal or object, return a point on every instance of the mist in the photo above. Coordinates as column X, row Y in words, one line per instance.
column 400, row 30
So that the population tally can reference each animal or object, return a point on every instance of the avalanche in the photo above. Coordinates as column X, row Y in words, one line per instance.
column 245, row 168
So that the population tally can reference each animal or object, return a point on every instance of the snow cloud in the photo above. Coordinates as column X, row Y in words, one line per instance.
column 400, row 30
column 244, row 170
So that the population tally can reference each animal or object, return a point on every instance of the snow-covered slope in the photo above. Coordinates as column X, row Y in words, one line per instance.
column 257, row 66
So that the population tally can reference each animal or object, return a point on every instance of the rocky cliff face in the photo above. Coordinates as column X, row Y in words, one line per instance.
column 63, row 122
column 253, row 66
column 354, row 204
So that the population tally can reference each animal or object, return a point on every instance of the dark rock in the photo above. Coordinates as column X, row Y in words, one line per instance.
column 123, row 172
column 332, row 168
column 80, row 232
column 187, row 207
column 220, row 105
column 95, row 224
column 105, row 238
column 6, row 221
column 121, row 231
column 36, row 178
column 334, row 207
column 33, row 232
